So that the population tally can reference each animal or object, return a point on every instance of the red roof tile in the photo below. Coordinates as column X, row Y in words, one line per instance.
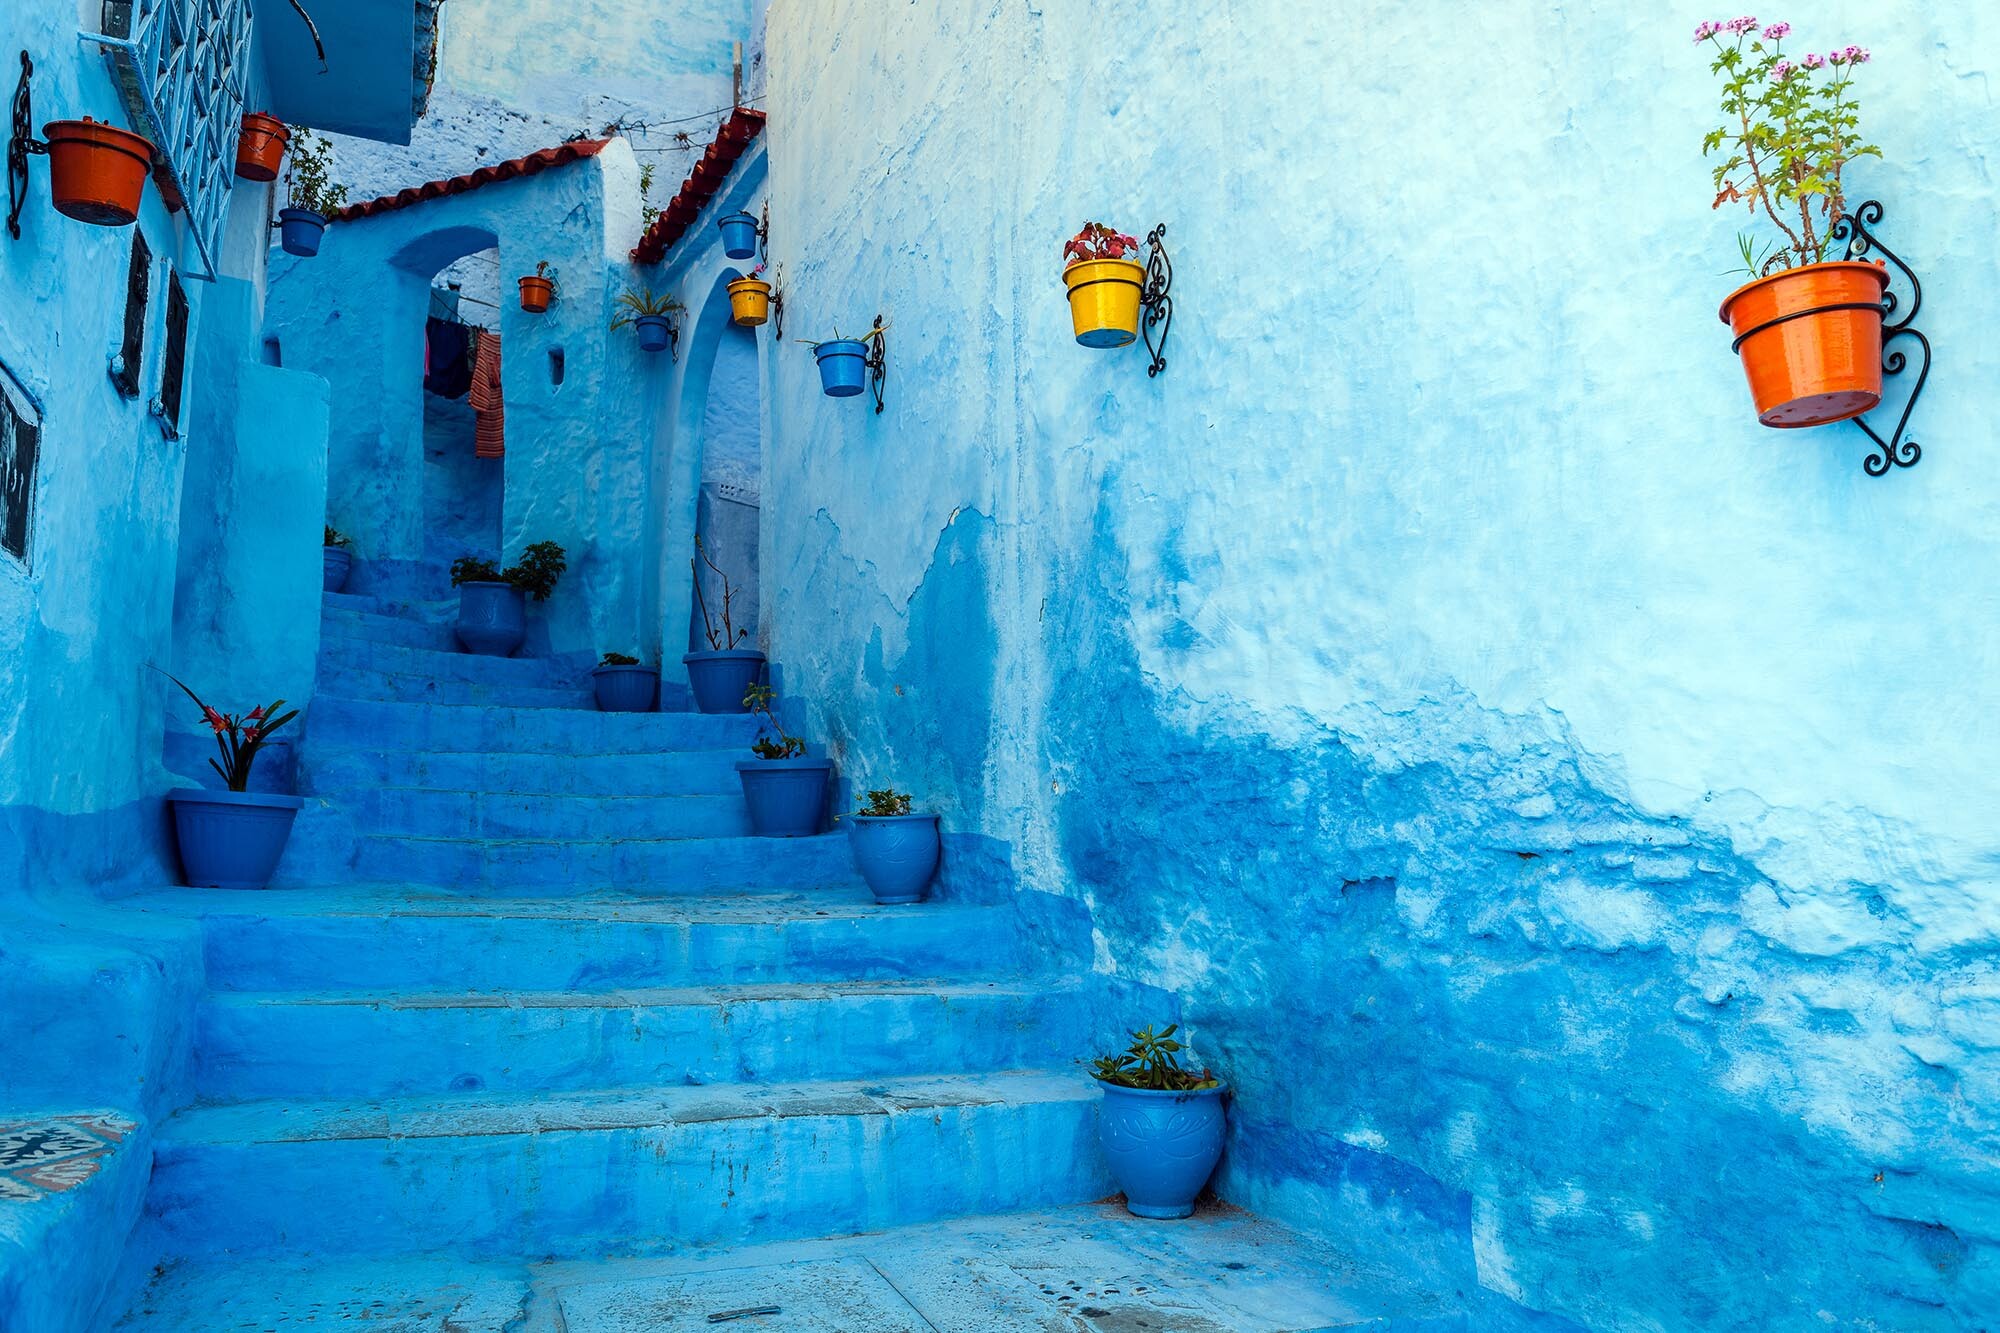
column 681, row 211
column 534, row 164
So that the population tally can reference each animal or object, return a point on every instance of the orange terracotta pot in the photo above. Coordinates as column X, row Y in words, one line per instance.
column 97, row 172
column 536, row 293
column 260, row 148
column 1811, row 341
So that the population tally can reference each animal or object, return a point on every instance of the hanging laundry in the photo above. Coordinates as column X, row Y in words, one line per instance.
column 447, row 357
column 488, row 410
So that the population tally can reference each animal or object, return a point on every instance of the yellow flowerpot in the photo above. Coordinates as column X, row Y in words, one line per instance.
column 1104, row 301
column 750, row 300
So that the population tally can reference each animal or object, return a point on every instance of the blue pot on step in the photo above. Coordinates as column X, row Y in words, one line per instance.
column 786, row 797
column 300, row 231
column 231, row 839
column 492, row 618
column 896, row 854
column 1162, row 1146
column 336, row 562
column 653, row 334
column 843, row 367
column 625, row 689
column 739, row 235
column 719, row 680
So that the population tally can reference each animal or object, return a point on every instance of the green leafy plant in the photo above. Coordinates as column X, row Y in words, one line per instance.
column 618, row 659
column 728, row 636
column 541, row 565
column 240, row 738
column 758, row 699
column 1791, row 126
column 310, row 184
column 1153, row 1061
column 335, row 537
column 838, row 336
column 642, row 304
column 886, row 803
column 649, row 212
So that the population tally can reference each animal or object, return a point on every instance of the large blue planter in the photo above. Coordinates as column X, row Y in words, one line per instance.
column 625, row 689
column 1162, row 1146
column 336, row 562
column 719, row 680
column 843, row 367
column 786, row 796
column 492, row 618
column 231, row 839
column 300, row 231
column 896, row 854
column 652, row 330
column 739, row 235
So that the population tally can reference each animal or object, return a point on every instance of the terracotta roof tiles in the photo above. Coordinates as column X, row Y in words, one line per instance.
column 534, row 164
column 700, row 186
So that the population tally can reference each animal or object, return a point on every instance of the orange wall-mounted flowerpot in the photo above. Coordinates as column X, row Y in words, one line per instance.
column 1104, row 301
column 260, row 148
column 97, row 172
column 536, row 293
column 1811, row 341
column 750, row 301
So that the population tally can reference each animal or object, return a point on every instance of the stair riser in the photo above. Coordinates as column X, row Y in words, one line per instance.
column 654, row 869
column 326, row 770
column 351, row 654
column 384, row 686
column 584, row 818
column 356, row 723
column 587, row 1193
column 252, row 1049
column 339, row 623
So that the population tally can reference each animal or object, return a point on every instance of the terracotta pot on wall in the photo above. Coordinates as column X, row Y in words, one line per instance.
column 1811, row 341
column 260, row 148
column 97, row 172
column 536, row 293
column 750, row 301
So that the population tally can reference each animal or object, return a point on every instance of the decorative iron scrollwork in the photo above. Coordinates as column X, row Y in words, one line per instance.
column 1855, row 229
column 19, row 146
column 1156, row 299
column 878, row 362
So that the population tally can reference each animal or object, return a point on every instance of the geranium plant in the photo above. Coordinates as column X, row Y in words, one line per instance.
column 772, row 742
column 1153, row 1062
column 886, row 804
column 1791, row 126
column 310, row 184
column 1097, row 241
column 540, row 566
column 618, row 659
column 240, row 738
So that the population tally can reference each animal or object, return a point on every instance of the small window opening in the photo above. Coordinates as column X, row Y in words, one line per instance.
column 556, row 366
column 132, row 348
column 274, row 352
column 20, row 446
column 173, row 365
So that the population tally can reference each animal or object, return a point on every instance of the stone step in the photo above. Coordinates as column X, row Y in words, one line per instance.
column 351, row 654
column 74, row 1188
column 583, row 1175
column 390, row 938
column 337, row 723
column 430, row 608
column 338, row 622
column 422, row 812
column 328, row 771
column 393, row 687
column 355, row 1044
column 656, row 866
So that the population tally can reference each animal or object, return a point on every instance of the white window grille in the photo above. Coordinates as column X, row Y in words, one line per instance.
column 180, row 66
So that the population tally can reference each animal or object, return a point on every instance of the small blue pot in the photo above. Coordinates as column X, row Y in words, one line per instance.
column 231, row 839
column 492, row 618
column 300, row 231
column 719, row 680
column 739, row 235
column 1162, row 1146
column 653, row 335
column 843, row 367
column 626, row 689
column 896, row 854
column 786, row 796
column 337, row 561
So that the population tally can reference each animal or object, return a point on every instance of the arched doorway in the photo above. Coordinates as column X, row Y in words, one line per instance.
column 731, row 481
column 463, row 475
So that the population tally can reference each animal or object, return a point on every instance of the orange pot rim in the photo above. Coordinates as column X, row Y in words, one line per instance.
column 268, row 124
column 750, row 284
column 537, row 280
column 1877, row 269
column 98, row 134
column 1094, row 274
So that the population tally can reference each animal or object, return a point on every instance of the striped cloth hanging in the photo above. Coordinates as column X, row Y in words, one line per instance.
column 489, row 411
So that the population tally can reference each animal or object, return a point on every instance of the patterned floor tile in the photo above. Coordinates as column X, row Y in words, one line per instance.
column 42, row 1157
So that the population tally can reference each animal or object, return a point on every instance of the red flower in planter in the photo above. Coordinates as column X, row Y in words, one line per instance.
column 239, row 744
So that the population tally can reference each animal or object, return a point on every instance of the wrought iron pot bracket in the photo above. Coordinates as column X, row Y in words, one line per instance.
column 1854, row 229
column 19, row 146
column 1155, row 300
column 878, row 364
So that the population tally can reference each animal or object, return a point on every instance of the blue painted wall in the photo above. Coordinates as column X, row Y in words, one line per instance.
column 1532, row 773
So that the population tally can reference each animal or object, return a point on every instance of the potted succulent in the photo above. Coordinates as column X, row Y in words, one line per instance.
column 720, row 676
column 1161, row 1125
column 652, row 316
column 750, row 299
column 784, row 790
column 739, row 235
column 492, row 603
column 232, row 839
column 843, row 362
column 895, row 851
column 260, row 146
column 97, row 172
column 1808, row 329
column 624, row 686
column 1104, row 286
column 336, row 559
column 312, row 194
column 538, row 289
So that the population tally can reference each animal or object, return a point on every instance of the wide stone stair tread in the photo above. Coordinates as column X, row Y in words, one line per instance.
column 577, row 732
column 335, row 769
column 410, row 811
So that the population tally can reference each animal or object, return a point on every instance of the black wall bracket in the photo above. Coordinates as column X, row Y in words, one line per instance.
column 1855, row 228
column 19, row 145
column 878, row 362
column 1156, row 300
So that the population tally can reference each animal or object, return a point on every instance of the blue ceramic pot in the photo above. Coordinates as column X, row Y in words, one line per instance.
column 1162, row 1146
column 739, row 235
column 492, row 618
column 843, row 367
column 786, row 796
column 719, row 680
column 336, row 561
column 653, row 333
column 300, row 231
column 896, row 854
column 626, row 689
column 231, row 839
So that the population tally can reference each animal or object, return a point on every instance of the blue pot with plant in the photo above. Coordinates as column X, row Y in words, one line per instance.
column 234, row 837
column 311, row 192
column 622, row 685
column 843, row 366
column 895, row 851
column 720, row 677
column 739, row 235
column 492, row 603
column 652, row 317
column 336, row 560
column 784, row 790
column 300, row 231
column 1161, row 1124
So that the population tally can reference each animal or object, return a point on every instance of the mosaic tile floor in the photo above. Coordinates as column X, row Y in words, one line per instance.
column 58, row 1153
